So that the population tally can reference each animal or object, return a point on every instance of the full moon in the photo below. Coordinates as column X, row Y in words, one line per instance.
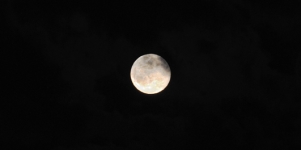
column 150, row 74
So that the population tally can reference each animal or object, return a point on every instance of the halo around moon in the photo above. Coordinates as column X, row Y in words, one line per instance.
column 150, row 74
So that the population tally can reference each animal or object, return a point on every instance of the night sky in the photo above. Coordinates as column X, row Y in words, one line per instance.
column 235, row 75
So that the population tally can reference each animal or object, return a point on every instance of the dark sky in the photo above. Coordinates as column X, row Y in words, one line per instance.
column 235, row 75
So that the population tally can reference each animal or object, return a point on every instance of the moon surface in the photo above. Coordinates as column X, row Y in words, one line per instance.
column 150, row 74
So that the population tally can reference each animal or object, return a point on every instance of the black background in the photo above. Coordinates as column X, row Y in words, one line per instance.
column 235, row 75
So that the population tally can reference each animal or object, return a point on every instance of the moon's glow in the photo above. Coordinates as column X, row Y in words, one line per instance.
column 150, row 74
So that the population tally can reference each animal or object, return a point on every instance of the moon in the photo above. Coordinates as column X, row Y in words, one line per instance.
column 150, row 74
